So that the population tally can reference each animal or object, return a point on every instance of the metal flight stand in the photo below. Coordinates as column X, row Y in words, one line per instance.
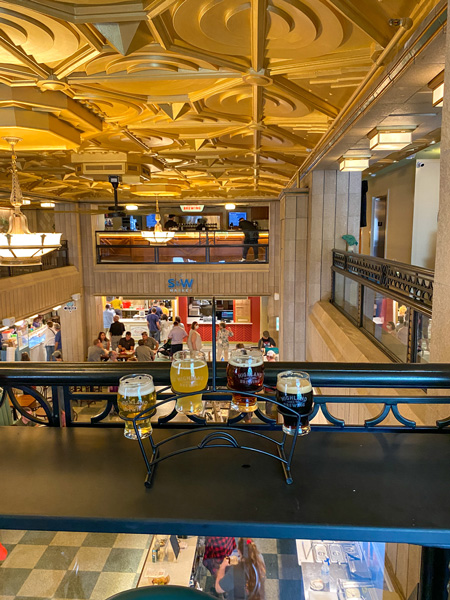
column 220, row 435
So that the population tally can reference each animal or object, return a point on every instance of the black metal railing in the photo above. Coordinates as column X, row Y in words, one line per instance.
column 59, row 387
column 54, row 260
column 199, row 247
column 390, row 302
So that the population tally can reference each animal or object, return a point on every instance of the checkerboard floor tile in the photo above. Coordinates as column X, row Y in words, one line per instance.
column 43, row 565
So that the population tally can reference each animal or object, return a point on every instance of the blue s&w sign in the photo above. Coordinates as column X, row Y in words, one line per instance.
column 185, row 284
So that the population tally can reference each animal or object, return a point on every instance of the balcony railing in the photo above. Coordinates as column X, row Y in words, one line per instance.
column 199, row 247
column 390, row 302
column 55, row 387
column 53, row 260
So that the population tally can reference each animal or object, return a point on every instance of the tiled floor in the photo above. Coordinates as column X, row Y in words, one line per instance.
column 77, row 566
column 45, row 565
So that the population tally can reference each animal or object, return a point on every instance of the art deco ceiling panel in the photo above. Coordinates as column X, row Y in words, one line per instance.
column 219, row 98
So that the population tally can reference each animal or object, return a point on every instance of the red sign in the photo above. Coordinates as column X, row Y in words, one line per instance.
column 192, row 207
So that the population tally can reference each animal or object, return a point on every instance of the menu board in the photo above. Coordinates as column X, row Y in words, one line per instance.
column 242, row 312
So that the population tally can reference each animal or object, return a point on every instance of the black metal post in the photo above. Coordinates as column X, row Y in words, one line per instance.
column 435, row 574
column 213, row 338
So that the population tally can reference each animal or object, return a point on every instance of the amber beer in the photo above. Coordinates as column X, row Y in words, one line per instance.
column 294, row 391
column 245, row 373
column 136, row 393
column 189, row 373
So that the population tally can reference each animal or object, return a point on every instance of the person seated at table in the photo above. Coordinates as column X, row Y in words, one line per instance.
column 150, row 342
column 57, row 356
column 25, row 357
column 96, row 351
column 143, row 352
column 240, row 346
column 266, row 341
column 104, row 340
column 112, row 357
column 126, row 344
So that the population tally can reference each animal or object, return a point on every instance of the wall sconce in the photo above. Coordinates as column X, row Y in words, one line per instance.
column 390, row 138
column 437, row 85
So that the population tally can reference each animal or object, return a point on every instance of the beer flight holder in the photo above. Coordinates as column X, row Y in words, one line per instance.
column 226, row 436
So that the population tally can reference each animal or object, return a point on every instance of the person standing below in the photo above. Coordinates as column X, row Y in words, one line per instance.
column 57, row 328
column 246, row 579
column 194, row 340
column 108, row 317
column 49, row 340
column 223, row 341
column 143, row 352
column 159, row 311
column 178, row 320
column 266, row 341
column 251, row 237
column 171, row 224
column 96, row 351
column 166, row 326
column 177, row 335
column 116, row 331
column 164, row 309
column 117, row 306
column 154, row 325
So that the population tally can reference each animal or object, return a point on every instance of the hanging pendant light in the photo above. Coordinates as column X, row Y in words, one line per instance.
column 19, row 246
column 158, row 237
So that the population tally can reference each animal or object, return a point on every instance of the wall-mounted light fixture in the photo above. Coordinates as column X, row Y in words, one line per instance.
column 437, row 86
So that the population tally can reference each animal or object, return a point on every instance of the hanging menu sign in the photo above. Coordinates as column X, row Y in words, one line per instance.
column 242, row 312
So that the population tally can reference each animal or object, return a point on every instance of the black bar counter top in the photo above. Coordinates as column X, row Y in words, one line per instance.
column 355, row 486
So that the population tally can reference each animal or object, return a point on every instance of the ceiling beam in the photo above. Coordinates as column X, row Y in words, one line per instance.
column 258, row 33
column 17, row 51
column 370, row 21
column 308, row 98
column 292, row 137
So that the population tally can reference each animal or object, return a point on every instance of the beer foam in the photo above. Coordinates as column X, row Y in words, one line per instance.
column 128, row 386
column 292, row 386
column 245, row 361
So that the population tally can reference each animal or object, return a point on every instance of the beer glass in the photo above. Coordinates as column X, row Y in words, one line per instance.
column 294, row 391
column 136, row 393
column 245, row 373
column 189, row 373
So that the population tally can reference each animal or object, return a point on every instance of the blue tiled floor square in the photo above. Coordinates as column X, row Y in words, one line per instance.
column 286, row 547
column 291, row 590
column 271, row 562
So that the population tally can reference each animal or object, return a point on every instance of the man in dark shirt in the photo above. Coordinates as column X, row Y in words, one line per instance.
column 159, row 311
column 154, row 325
column 116, row 331
column 126, row 343
column 251, row 237
column 171, row 223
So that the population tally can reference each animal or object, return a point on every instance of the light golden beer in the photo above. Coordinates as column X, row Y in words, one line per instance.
column 245, row 373
column 189, row 373
column 136, row 393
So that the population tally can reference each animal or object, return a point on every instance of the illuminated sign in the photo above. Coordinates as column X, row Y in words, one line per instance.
column 192, row 207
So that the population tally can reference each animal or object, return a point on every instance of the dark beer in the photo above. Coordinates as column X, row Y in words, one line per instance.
column 294, row 391
column 245, row 373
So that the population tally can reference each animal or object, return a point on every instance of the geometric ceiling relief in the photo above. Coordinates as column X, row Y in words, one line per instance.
column 182, row 98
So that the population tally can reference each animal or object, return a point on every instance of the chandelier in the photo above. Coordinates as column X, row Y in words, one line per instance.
column 158, row 237
column 19, row 246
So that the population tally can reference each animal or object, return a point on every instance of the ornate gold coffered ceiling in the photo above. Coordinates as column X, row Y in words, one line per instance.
column 212, row 99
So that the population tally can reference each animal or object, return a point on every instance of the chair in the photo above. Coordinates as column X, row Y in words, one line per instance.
column 165, row 592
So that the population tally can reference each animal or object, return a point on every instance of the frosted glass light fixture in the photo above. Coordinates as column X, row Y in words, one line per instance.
column 390, row 138
column 437, row 87
column 353, row 163
column 19, row 246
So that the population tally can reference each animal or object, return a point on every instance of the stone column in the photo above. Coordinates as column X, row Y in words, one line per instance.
column 293, row 240
column 273, row 305
column 334, row 210
column 440, row 339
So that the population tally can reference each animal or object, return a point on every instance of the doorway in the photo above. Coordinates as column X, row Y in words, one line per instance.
column 378, row 237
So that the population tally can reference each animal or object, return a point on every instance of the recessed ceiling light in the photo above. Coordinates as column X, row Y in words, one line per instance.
column 132, row 207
